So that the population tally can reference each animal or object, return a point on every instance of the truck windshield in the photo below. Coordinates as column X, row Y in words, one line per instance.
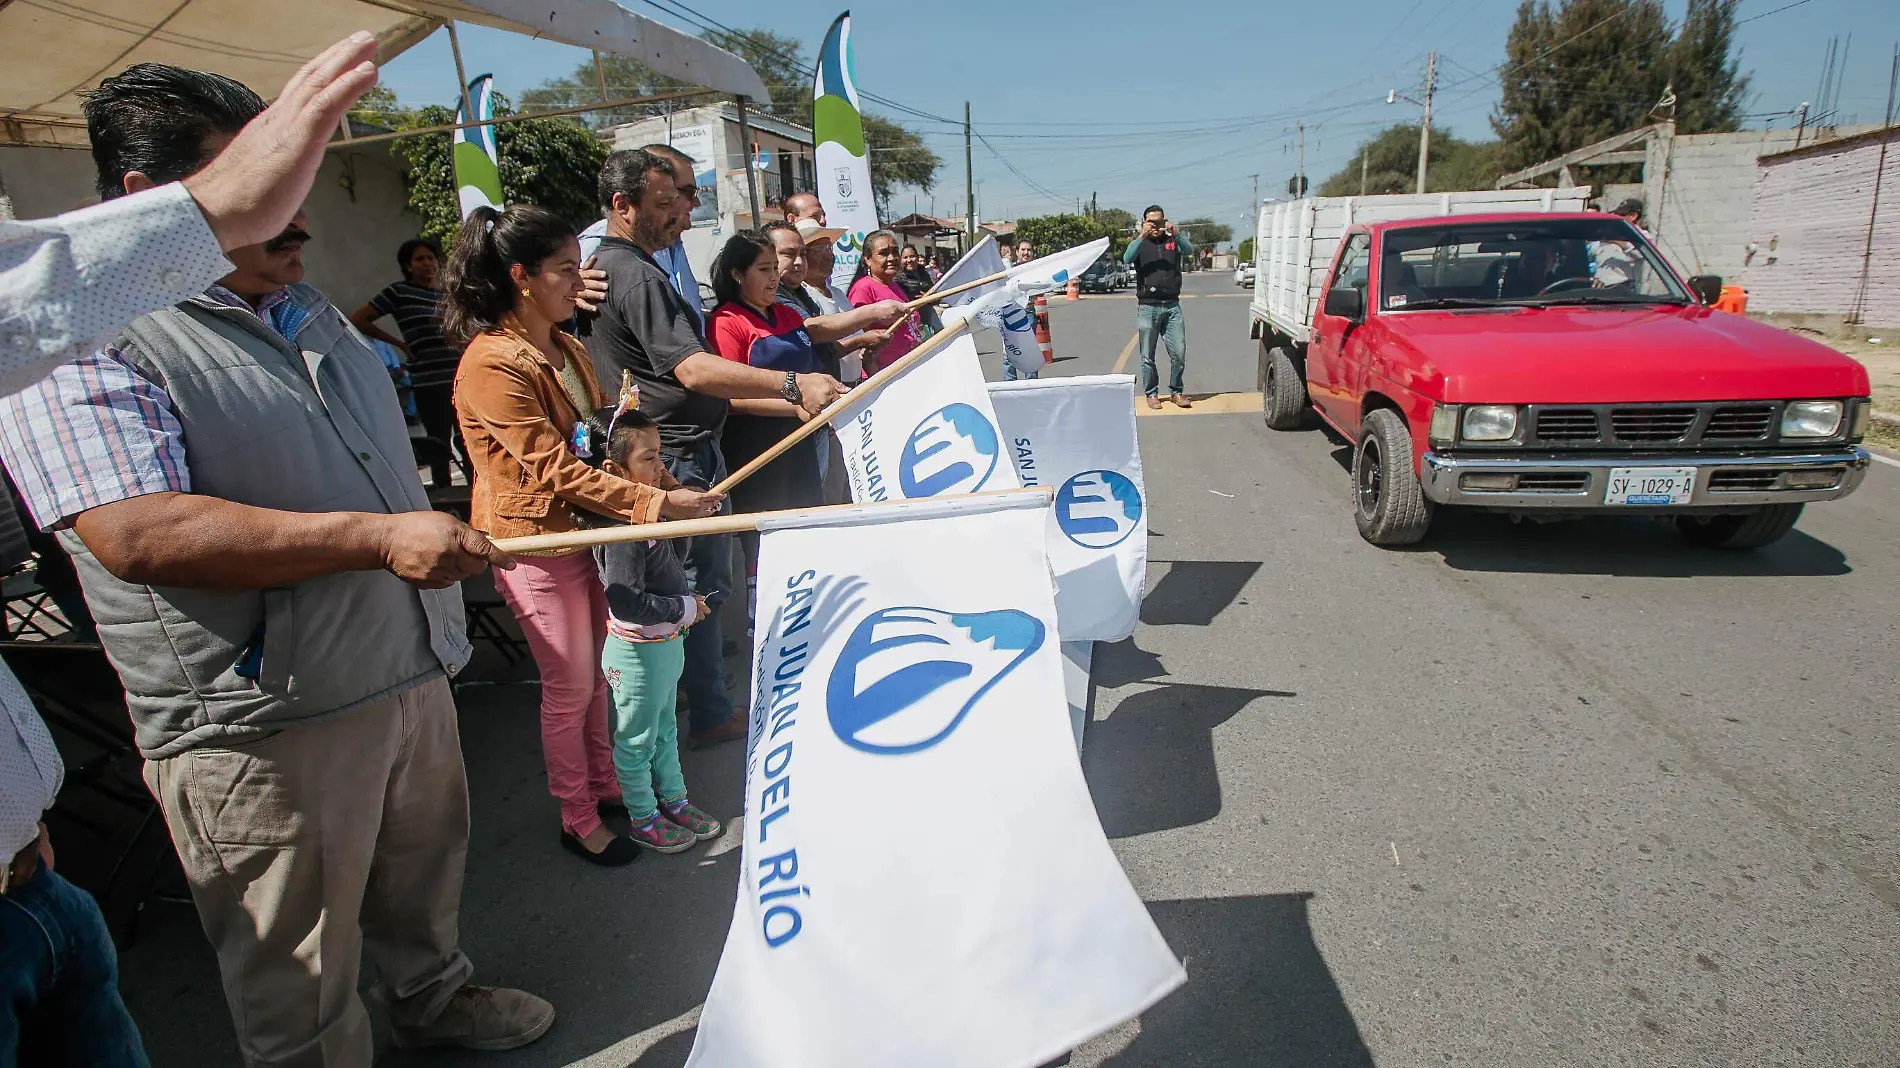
column 1554, row 261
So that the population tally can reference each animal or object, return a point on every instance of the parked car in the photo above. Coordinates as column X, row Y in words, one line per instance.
column 1479, row 361
column 1099, row 278
column 1243, row 275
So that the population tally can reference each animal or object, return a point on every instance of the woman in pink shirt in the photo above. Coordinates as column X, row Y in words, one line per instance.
column 877, row 280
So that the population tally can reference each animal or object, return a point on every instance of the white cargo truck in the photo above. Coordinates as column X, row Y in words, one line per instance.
column 1298, row 239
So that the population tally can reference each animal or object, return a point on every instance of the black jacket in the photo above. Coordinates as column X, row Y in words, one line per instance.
column 645, row 582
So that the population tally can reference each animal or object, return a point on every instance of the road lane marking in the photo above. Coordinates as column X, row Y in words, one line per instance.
column 1127, row 351
column 1883, row 458
column 1205, row 404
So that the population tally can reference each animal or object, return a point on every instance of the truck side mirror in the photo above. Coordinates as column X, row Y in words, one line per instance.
column 1346, row 302
column 1706, row 287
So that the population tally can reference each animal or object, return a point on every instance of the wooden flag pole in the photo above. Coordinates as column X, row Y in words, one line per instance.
column 870, row 385
column 931, row 298
column 718, row 524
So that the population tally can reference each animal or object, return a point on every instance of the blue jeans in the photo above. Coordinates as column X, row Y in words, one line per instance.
column 709, row 569
column 1156, row 323
column 59, row 981
column 1012, row 373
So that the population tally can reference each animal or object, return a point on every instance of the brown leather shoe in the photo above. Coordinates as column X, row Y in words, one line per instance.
column 483, row 1018
column 1180, row 399
column 732, row 730
column 1154, row 403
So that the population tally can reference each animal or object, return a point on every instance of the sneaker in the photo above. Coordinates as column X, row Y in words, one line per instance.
column 483, row 1018
column 661, row 835
column 704, row 827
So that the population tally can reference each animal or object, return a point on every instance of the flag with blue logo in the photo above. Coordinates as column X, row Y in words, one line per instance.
column 1077, row 436
column 473, row 154
column 929, row 433
column 886, row 914
column 1014, row 322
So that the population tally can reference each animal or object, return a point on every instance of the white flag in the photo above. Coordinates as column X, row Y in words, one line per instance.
column 886, row 915
column 929, row 433
column 1013, row 321
column 1077, row 436
column 1055, row 270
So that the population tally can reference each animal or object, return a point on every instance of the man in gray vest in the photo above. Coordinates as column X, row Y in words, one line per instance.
column 234, row 481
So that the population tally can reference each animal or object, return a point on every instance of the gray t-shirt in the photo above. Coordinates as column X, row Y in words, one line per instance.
column 645, row 327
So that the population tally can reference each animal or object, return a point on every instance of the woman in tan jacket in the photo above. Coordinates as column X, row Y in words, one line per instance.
column 522, row 392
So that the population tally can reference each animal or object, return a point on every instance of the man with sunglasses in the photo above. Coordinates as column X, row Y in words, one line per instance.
column 671, row 259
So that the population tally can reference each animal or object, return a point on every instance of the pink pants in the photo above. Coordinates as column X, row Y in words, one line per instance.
column 562, row 609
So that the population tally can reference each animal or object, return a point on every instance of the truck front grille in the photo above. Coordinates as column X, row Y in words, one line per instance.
column 1651, row 424
column 1553, row 482
column 1567, row 424
column 1740, row 423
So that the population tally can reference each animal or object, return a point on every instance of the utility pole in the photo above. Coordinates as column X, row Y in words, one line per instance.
column 1364, row 151
column 969, row 179
column 1425, row 123
column 1299, row 164
column 751, row 179
column 1253, row 210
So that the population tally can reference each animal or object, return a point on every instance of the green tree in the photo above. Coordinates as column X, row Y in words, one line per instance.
column 1711, row 91
column 898, row 156
column 1204, row 233
column 1245, row 250
column 1053, row 233
column 1391, row 158
column 1578, row 74
column 550, row 162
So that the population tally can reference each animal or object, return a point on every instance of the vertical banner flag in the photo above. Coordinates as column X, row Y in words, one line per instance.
column 930, row 432
column 843, row 173
column 1077, row 436
column 873, row 926
column 1017, row 325
column 472, row 151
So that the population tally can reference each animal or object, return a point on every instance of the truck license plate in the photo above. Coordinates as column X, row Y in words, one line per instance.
column 1650, row 485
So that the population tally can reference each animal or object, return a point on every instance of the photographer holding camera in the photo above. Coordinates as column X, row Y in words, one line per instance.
column 1157, row 252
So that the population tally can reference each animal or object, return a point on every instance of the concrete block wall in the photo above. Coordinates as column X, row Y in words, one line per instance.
column 1703, row 223
column 352, row 251
column 1808, row 221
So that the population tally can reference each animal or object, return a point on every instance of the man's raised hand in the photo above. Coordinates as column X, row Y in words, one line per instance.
column 250, row 191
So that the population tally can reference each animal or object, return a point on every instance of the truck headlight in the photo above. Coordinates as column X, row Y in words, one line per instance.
column 1444, row 429
column 1490, row 422
column 1811, row 419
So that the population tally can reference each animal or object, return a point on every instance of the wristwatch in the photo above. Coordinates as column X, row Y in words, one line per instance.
column 789, row 390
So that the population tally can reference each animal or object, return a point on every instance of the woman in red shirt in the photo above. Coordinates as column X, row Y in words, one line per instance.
column 877, row 280
column 750, row 327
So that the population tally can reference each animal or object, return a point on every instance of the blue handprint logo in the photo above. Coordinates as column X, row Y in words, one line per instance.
column 1098, row 509
column 908, row 676
column 953, row 450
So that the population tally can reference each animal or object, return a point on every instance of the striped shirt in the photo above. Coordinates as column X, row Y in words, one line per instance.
column 418, row 315
column 97, row 430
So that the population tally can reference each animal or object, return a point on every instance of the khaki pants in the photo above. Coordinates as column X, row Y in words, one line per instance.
column 316, row 844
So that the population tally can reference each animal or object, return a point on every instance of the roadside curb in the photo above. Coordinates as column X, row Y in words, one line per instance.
column 1888, row 418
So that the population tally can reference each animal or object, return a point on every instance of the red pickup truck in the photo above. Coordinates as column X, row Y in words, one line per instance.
column 1553, row 364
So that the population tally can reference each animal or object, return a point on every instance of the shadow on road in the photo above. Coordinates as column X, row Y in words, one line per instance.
column 1150, row 765
column 1193, row 592
column 1631, row 546
column 1117, row 664
column 1258, row 994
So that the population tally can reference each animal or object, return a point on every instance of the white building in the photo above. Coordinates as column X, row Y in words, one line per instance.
column 710, row 135
column 1816, row 243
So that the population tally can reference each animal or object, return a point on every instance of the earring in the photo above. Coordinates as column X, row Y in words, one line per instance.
column 525, row 293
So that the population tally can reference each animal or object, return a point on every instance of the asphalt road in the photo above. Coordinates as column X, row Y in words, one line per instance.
column 1575, row 794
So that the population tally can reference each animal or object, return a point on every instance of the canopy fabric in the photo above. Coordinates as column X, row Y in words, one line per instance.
column 51, row 50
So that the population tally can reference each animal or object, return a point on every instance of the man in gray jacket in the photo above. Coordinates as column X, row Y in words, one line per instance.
column 234, row 480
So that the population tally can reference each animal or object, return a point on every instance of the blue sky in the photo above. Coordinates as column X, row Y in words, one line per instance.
column 1105, row 96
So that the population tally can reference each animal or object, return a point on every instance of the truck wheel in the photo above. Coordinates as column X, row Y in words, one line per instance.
column 1388, row 504
column 1750, row 530
column 1282, row 389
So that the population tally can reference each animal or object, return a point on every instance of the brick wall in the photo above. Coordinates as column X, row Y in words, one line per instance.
column 1704, row 219
column 1808, row 225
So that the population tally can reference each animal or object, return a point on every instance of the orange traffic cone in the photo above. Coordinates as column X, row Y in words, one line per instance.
column 1075, row 289
column 1042, row 328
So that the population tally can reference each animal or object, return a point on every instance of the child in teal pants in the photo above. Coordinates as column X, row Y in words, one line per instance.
column 649, row 604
